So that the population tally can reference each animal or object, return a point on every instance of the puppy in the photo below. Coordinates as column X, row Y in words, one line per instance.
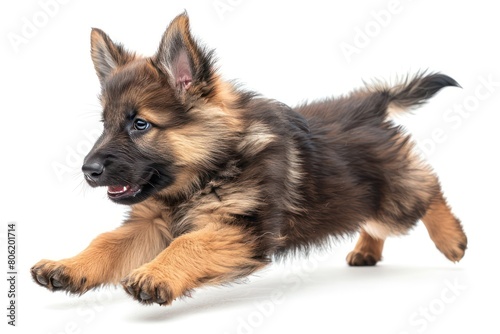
column 220, row 181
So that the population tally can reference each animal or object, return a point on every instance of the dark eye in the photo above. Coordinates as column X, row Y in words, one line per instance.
column 141, row 125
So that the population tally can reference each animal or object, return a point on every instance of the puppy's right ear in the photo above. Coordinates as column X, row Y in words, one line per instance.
column 106, row 54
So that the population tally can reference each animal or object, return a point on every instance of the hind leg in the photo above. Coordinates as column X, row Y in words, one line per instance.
column 368, row 250
column 445, row 229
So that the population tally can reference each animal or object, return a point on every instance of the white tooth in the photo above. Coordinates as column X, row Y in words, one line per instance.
column 124, row 188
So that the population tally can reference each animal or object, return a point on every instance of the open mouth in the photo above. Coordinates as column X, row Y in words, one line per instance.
column 118, row 192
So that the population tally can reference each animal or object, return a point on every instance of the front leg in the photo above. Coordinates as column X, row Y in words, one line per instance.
column 106, row 260
column 215, row 254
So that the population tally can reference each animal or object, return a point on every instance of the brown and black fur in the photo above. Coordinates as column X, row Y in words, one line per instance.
column 220, row 180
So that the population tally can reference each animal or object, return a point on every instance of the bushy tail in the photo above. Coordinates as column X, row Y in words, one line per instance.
column 415, row 91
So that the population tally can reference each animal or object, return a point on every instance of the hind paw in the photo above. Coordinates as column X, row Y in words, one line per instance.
column 358, row 259
column 453, row 249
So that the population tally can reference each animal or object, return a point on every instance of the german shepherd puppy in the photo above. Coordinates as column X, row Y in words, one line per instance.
column 220, row 180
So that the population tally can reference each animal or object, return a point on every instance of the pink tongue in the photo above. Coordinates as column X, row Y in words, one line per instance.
column 117, row 189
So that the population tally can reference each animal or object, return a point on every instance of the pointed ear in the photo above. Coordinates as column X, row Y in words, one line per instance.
column 181, row 58
column 106, row 55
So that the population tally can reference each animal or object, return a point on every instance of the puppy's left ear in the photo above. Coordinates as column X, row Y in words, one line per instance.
column 188, row 66
column 106, row 54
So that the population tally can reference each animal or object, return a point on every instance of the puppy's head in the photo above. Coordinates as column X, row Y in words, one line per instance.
column 165, row 125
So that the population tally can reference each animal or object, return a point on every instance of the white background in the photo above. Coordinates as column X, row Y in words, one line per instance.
column 290, row 51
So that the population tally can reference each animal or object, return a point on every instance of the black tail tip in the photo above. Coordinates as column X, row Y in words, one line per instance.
column 435, row 81
column 417, row 89
column 442, row 80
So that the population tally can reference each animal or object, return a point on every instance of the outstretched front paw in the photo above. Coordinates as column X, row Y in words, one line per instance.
column 149, row 284
column 57, row 275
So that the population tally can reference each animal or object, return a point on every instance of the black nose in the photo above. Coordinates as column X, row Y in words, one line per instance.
column 93, row 170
